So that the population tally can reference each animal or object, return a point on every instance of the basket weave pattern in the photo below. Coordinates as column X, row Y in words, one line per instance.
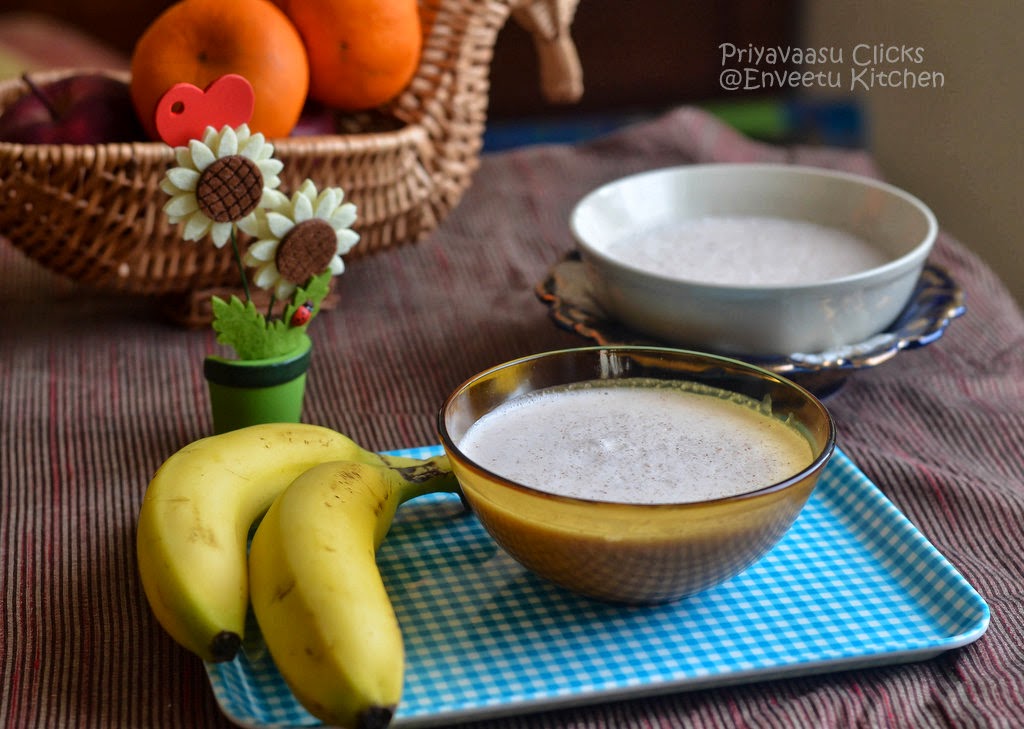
column 93, row 213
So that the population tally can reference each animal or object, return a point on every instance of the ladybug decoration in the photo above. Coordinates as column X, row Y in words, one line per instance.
column 303, row 314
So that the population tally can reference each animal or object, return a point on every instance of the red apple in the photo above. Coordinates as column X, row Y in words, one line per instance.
column 82, row 109
column 315, row 119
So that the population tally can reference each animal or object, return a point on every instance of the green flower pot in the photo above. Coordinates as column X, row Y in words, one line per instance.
column 248, row 392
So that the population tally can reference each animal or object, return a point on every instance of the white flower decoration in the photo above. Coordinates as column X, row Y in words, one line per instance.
column 299, row 238
column 220, row 182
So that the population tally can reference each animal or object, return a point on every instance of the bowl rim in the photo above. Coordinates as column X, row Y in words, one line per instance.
column 819, row 461
column 890, row 269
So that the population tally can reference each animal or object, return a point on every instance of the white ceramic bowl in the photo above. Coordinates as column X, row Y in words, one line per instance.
column 763, row 319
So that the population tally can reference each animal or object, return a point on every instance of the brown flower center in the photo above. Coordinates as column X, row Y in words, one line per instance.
column 229, row 189
column 306, row 250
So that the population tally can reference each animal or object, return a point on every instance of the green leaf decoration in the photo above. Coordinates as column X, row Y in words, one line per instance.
column 314, row 292
column 241, row 326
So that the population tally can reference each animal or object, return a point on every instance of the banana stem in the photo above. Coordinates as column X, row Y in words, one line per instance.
column 429, row 477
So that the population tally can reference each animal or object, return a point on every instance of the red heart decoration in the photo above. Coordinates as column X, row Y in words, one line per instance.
column 185, row 110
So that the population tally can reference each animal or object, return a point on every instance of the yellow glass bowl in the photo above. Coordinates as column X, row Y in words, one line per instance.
column 633, row 553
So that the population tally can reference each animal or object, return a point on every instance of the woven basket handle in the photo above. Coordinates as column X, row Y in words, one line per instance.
column 548, row 21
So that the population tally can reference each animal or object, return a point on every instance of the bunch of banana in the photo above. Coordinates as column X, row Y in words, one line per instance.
column 317, row 593
column 196, row 516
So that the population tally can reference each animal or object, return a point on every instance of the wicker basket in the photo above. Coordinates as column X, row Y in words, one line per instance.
column 93, row 213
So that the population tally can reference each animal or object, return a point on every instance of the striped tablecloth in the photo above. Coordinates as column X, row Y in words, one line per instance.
column 96, row 391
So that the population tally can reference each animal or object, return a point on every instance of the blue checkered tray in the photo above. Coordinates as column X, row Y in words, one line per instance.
column 853, row 584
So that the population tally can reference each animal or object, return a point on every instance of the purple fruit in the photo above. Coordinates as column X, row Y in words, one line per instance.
column 84, row 109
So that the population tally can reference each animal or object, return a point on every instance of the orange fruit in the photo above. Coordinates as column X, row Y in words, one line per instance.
column 198, row 41
column 362, row 53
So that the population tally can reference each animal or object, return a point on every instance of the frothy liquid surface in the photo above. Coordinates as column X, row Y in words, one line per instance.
column 748, row 251
column 636, row 442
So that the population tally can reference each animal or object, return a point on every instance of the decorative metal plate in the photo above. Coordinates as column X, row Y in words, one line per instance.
column 935, row 302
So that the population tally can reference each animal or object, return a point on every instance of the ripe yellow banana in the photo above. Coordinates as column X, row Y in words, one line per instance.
column 195, row 519
column 318, row 596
